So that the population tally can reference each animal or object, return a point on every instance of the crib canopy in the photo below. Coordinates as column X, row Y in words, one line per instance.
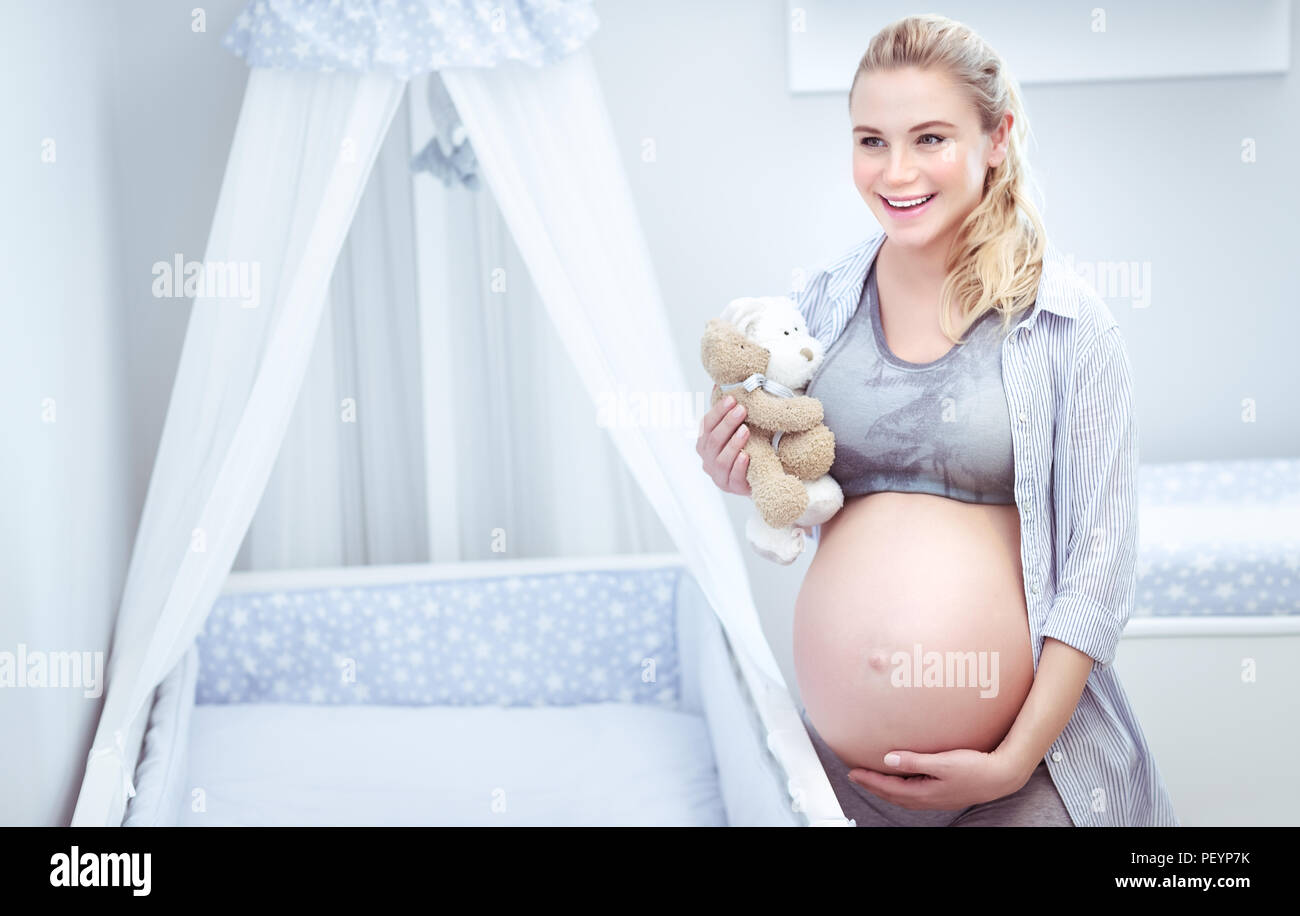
column 403, row 38
column 326, row 79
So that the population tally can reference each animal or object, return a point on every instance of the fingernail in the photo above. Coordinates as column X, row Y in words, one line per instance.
column 728, row 400
column 892, row 760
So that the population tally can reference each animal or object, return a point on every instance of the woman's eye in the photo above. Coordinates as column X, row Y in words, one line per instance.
column 939, row 140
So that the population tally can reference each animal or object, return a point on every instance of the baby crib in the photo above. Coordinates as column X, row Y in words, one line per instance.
column 541, row 692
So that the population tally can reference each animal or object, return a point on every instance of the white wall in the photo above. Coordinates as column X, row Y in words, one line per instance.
column 66, row 513
column 141, row 110
column 178, row 99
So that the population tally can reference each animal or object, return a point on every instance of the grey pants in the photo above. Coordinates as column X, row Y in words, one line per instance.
column 1036, row 804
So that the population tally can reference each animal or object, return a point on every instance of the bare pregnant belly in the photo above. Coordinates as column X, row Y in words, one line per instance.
column 910, row 629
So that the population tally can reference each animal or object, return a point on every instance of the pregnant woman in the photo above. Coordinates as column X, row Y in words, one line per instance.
column 955, row 632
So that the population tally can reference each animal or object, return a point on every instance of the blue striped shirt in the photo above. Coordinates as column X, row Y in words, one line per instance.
column 1069, row 389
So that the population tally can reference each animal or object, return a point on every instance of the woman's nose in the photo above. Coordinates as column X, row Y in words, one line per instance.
column 900, row 173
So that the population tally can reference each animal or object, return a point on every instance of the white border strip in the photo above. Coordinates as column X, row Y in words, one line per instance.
column 345, row 576
column 1166, row 627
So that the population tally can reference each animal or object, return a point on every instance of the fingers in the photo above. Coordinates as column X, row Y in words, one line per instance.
column 732, row 462
column 722, row 436
column 717, row 415
column 715, row 412
column 725, row 428
column 738, row 481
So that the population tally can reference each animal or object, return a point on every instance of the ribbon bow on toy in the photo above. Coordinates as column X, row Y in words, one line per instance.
column 757, row 380
column 772, row 386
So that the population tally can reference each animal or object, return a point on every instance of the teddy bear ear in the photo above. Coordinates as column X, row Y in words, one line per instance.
column 742, row 313
column 719, row 333
column 720, row 339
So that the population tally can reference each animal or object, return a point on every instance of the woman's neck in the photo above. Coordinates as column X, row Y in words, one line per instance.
column 917, row 273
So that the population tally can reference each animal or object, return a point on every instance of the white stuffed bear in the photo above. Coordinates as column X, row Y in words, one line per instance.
column 776, row 324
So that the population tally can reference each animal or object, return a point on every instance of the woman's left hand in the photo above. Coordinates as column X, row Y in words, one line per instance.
column 947, row 780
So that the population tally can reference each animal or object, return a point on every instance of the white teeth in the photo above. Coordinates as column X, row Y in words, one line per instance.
column 903, row 205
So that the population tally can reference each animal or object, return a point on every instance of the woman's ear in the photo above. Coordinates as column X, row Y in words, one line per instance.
column 1001, row 138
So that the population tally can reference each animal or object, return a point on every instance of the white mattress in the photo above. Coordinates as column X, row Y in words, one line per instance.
column 263, row 764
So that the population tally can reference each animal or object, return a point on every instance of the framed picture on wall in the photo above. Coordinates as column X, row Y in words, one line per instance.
column 1058, row 43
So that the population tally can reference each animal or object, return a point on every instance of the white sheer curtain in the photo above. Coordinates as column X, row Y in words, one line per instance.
column 349, row 483
column 530, row 460
column 544, row 142
column 303, row 148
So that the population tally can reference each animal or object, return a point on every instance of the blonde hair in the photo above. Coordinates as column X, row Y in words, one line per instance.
column 996, row 258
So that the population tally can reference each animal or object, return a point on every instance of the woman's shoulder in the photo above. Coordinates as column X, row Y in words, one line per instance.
column 1067, row 293
column 846, row 259
column 837, row 274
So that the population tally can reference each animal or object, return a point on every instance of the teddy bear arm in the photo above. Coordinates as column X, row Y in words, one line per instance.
column 808, row 454
column 763, row 462
column 789, row 414
column 779, row 496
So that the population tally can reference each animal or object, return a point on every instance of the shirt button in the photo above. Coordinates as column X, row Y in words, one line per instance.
column 1034, row 588
column 1056, row 756
column 1024, row 417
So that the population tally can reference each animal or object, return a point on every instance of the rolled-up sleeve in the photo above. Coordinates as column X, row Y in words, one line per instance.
column 1096, row 593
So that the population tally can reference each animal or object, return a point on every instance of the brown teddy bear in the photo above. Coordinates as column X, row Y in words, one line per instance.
column 761, row 353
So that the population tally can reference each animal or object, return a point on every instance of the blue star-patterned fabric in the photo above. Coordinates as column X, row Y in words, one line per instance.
column 402, row 38
column 1249, row 481
column 544, row 639
column 1219, row 538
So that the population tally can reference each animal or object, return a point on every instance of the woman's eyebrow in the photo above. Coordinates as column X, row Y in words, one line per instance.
column 873, row 130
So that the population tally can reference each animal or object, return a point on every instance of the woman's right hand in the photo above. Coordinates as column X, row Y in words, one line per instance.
column 722, row 436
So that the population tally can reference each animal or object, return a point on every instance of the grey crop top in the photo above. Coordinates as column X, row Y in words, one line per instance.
column 941, row 427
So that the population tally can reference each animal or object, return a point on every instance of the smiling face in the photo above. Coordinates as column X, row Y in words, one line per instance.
column 900, row 155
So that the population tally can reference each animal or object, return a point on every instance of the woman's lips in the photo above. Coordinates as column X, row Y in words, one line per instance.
column 908, row 212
